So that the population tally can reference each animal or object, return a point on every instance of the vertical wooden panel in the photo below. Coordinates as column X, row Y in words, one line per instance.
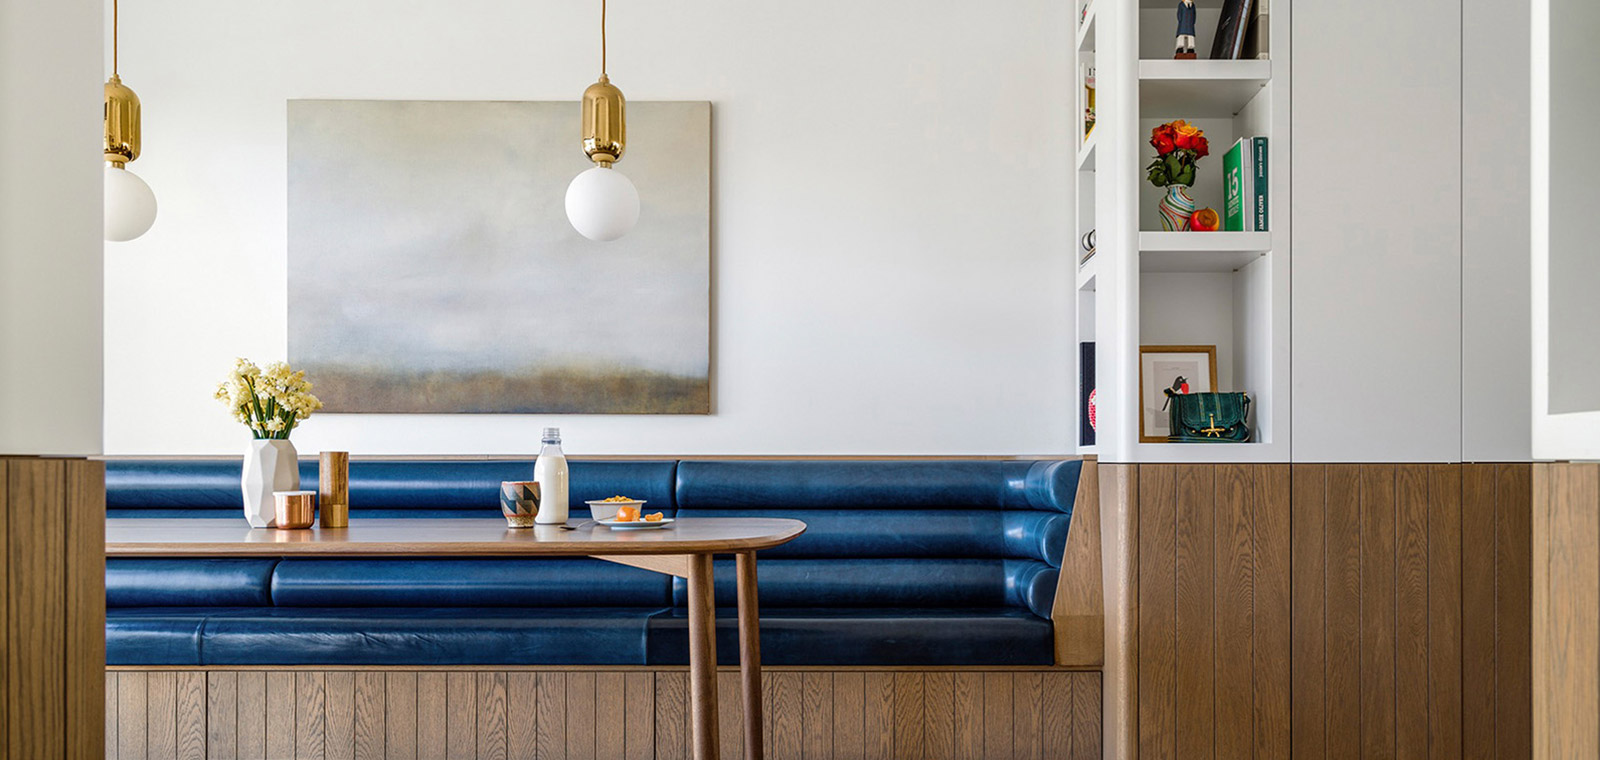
column 1087, row 740
column 461, row 705
column 1411, row 610
column 730, row 729
column 1513, row 611
column 1234, row 560
column 191, row 714
column 252, row 728
column 84, row 576
column 609, row 709
column 580, row 715
column 1444, row 611
column 1377, row 610
column 1157, row 615
column 671, row 716
column 280, row 697
column 432, row 715
column 1543, row 609
column 36, row 592
column 222, row 715
column 369, row 720
column 1574, row 586
column 161, row 715
column 132, row 731
column 969, row 715
column 522, row 717
column 1055, row 720
column 938, row 709
column 1342, row 642
column 492, row 717
column 1309, row 610
column 5, row 619
column 639, row 691
column 1477, row 602
column 553, row 703
column 784, row 709
column 908, row 710
column 877, row 720
column 848, row 739
column 1194, row 625
column 1027, row 692
column 997, row 693
column 111, row 677
column 1271, row 515
column 816, row 720
column 400, row 715
column 310, row 715
column 339, row 732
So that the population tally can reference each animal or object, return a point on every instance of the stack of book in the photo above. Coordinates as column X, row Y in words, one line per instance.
column 1245, row 186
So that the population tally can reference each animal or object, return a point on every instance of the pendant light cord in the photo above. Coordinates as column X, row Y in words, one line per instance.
column 115, row 32
column 602, row 37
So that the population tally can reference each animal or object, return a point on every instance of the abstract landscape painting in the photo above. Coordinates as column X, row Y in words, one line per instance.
column 432, row 268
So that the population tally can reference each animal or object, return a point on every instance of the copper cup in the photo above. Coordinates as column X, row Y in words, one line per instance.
column 295, row 509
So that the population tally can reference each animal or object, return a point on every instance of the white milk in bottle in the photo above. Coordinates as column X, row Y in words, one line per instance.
column 550, row 472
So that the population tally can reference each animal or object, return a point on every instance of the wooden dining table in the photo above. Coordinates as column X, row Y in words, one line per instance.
column 683, row 549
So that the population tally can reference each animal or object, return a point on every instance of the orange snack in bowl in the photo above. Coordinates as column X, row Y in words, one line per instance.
column 628, row 513
column 653, row 517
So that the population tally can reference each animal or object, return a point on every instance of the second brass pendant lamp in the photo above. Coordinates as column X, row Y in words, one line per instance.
column 602, row 202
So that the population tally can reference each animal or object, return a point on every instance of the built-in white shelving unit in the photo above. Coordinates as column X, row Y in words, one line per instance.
column 1145, row 286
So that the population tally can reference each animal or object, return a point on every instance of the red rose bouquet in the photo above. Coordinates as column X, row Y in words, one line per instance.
column 1178, row 145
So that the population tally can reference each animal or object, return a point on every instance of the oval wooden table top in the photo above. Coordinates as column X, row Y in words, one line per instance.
column 182, row 537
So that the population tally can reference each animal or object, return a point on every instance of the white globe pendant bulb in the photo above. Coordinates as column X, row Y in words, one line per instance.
column 602, row 204
column 130, row 206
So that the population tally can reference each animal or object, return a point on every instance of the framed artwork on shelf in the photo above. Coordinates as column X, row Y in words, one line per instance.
column 1184, row 369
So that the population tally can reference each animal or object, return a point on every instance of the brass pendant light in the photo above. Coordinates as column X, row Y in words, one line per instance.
column 130, row 206
column 602, row 203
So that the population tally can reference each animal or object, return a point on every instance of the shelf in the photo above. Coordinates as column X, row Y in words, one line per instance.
column 1086, row 154
column 1199, row 89
column 1168, row 5
column 1200, row 251
column 1086, row 30
column 1086, row 273
column 1210, row 452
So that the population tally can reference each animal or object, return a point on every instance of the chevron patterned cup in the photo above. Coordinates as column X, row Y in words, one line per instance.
column 519, row 502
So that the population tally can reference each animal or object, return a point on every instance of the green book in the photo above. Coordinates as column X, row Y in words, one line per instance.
column 1258, row 182
column 1236, row 178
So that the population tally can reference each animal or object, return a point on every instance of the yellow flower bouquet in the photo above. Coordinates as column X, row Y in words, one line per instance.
column 270, row 402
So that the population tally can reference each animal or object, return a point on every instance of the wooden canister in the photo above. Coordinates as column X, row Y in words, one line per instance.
column 334, row 489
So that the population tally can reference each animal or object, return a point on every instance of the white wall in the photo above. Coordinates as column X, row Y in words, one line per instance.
column 50, row 248
column 891, row 245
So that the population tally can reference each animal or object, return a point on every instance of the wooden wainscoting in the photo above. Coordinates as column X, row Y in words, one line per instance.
column 1566, row 608
column 1320, row 611
column 595, row 713
column 52, row 607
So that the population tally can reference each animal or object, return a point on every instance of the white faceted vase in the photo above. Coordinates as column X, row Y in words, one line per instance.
column 270, row 465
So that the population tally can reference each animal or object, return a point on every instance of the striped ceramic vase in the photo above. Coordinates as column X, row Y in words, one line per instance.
column 1176, row 207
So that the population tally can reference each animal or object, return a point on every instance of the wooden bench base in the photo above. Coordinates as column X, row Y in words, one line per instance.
column 595, row 712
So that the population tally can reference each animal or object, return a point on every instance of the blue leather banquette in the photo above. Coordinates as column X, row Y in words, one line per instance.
column 903, row 563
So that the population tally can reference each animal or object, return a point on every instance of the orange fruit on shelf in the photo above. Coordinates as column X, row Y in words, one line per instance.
column 1205, row 220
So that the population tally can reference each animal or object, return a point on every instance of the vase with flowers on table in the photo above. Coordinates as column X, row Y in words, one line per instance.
column 271, row 403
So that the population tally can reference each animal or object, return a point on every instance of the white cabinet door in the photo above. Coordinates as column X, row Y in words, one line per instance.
column 1376, row 305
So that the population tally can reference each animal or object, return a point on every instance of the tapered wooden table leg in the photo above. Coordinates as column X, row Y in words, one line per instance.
column 702, row 658
column 750, row 655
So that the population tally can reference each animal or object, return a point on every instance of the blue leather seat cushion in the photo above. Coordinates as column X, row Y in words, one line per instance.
column 377, row 636
column 575, row 582
column 862, row 484
column 926, row 637
column 850, row 533
column 473, row 485
column 188, row 582
column 890, row 583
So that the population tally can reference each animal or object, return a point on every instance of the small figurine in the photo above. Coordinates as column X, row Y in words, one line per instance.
column 1184, row 49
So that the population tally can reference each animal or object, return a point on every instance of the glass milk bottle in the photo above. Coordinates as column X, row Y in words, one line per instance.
column 550, row 472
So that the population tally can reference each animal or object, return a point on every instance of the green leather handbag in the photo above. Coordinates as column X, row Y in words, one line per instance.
column 1208, row 417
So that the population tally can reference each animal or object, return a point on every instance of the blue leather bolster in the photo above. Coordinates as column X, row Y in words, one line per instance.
column 154, row 635
column 869, row 637
column 577, row 582
column 188, row 582
column 425, row 636
column 800, row 485
column 410, row 485
column 890, row 583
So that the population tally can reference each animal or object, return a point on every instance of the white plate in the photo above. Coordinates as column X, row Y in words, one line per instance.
column 637, row 524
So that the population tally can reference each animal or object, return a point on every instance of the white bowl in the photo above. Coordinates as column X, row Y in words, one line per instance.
column 607, row 510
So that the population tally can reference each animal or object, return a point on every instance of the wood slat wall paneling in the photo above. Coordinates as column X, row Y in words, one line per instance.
column 1309, row 617
column 1514, row 611
column 1121, row 544
column 1444, row 611
column 1478, row 591
column 1271, row 491
column 1021, row 714
column 1157, row 610
column 1566, row 573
